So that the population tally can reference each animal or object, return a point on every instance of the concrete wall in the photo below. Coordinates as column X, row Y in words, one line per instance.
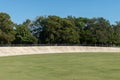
column 10, row 51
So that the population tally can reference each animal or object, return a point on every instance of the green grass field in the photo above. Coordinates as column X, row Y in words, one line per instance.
column 83, row 66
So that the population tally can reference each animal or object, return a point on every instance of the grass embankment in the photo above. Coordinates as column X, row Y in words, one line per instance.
column 83, row 66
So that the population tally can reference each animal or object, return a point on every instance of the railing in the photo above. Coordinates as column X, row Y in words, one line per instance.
column 26, row 45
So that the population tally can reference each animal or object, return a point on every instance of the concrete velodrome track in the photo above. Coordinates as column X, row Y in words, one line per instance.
column 13, row 51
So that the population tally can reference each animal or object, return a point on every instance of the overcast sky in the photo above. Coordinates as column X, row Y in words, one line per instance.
column 20, row 10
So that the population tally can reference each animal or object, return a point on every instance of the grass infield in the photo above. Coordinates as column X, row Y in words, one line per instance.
column 83, row 66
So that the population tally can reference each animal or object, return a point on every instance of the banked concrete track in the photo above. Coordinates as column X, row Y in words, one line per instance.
column 13, row 51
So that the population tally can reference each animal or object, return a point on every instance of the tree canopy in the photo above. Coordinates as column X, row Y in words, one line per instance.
column 57, row 30
column 6, row 29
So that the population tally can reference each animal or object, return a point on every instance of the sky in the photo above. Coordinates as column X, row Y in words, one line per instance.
column 20, row 10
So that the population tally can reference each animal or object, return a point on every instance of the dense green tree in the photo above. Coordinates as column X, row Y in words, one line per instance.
column 6, row 29
column 69, row 32
column 27, row 22
column 116, row 33
column 23, row 35
column 85, row 35
column 101, row 30
column 53, row 29
column 57, row 30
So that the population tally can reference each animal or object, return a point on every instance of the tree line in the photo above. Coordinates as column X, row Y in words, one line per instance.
column 56, row 30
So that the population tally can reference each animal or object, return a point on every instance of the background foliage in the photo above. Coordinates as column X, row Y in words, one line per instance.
column 56, row 30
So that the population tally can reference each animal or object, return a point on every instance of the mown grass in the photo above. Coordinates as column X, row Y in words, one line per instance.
column 83, row 66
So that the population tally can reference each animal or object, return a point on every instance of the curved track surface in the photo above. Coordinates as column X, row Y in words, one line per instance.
column 13, row 51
